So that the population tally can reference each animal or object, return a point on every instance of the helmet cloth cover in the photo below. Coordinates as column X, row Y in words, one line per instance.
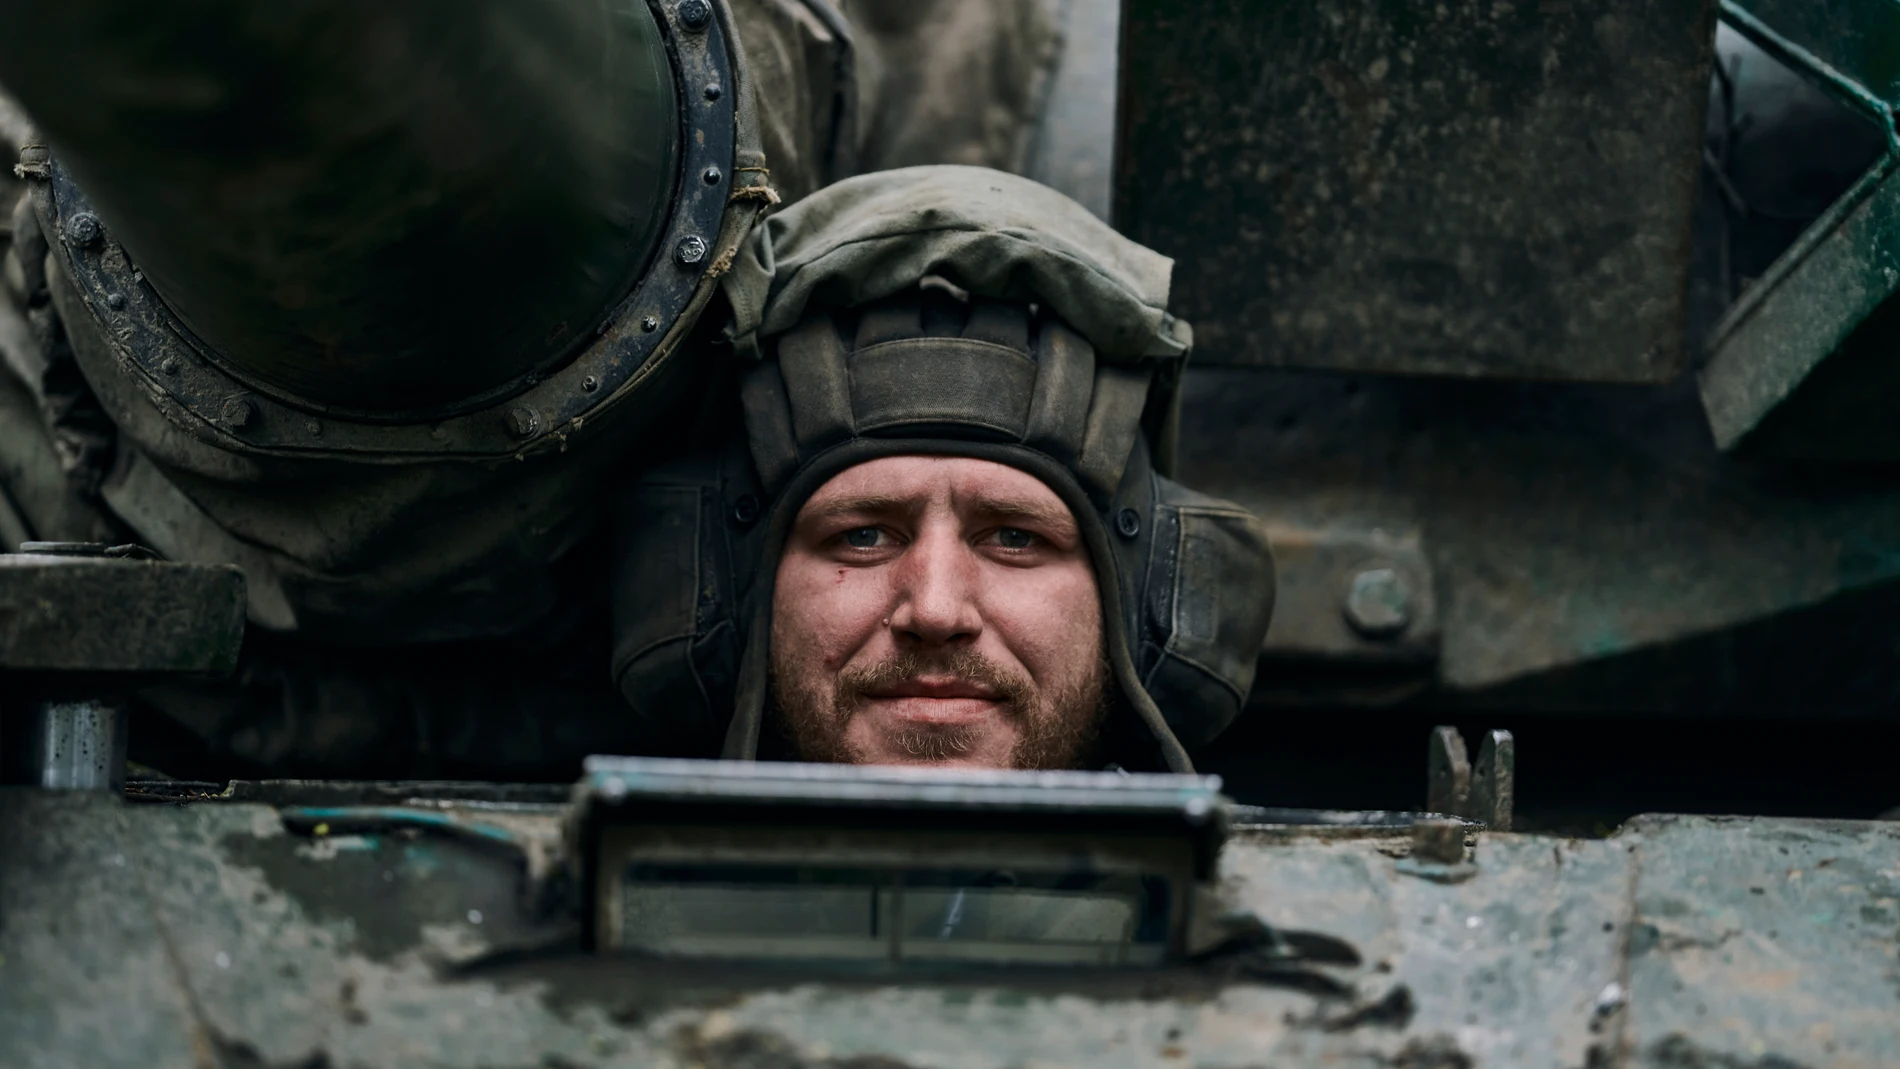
column 1044, row 364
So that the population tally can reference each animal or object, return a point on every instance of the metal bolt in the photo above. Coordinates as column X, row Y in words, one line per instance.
column 691, row 250
column 649, row 324
column 84, row 230
column 115, row 301
column 712, row 176
column 694, row 14
column 238, row 413
column 1378, row 603
column 523, row 421
column 1442, row 841
column 713, row 91
column 590, row 384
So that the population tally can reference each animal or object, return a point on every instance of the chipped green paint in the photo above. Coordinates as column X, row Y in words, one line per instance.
column 156, row 932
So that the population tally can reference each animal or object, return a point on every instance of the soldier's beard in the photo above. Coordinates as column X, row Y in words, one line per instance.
column 1055, row 730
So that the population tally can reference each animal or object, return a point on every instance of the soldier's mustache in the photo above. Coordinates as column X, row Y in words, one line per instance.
column 1014, row 694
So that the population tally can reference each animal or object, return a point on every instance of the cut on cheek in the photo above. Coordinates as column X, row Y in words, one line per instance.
column 824, row 607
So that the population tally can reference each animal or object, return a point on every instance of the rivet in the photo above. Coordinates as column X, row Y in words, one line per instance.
column 711, row 175
column 84, row 230
column 1128, row 523
column 649, row 324
column 523, row 421
column 315, row 427
column 745, row 510
column 1378, row 603
column 115, row 301
column 691, row 250
column 238, row 413
column 713, row 91
column 694, row 14
column 169, row 366
column 590, row 384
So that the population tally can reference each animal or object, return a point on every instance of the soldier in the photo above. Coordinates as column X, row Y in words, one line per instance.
column 373, row 301
column 940, row 534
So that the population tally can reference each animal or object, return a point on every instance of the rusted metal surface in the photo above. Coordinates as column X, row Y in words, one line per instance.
column 1466, row 188
column 1764, row 943
column 1592, row 548
column 96, row 614
column 1351, row 596
column 209, row 934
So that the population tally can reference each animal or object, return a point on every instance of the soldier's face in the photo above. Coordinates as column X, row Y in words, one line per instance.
column 938, row 610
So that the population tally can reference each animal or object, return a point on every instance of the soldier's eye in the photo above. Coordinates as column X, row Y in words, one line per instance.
column 1014, row 538
column 862, row 537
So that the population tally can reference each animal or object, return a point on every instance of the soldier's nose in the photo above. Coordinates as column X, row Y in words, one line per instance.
column 937, row 593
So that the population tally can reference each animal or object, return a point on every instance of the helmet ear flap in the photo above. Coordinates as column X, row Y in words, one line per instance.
column 683, row 535
column 1210, row 593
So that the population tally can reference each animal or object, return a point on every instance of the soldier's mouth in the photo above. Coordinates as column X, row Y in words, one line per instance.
column 945, row 712
column 935, row 700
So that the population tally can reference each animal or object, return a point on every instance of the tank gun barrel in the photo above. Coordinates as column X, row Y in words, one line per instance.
column 373, row 206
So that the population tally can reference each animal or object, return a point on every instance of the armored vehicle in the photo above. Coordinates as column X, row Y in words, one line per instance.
column 1549, row 339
